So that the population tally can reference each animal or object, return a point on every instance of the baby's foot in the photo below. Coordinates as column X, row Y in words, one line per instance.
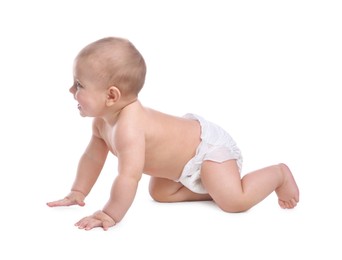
column 288, row 192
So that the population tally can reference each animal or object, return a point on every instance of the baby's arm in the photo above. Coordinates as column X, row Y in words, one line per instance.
column 130, row 148
column 90, row 165
column 125, row 185
column 89, row 168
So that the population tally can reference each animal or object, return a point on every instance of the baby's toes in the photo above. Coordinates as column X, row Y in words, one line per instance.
column 293, row 203
column 282, row 204
column 287, row 204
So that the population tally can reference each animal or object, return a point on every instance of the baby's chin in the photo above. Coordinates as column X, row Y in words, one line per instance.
column 82, row 114
column 80, row 110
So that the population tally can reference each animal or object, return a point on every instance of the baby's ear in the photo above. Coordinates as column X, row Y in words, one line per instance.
column 113, row 95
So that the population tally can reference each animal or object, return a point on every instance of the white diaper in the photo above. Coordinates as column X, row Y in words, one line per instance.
column 216, row 145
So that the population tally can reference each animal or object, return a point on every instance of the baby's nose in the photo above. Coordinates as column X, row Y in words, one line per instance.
column 72, row 90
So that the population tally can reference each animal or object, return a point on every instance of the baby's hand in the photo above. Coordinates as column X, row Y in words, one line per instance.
column 98, row 219
column 74, row 198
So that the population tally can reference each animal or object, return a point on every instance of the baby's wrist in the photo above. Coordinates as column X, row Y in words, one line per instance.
column 78, row 192
column 108, row 215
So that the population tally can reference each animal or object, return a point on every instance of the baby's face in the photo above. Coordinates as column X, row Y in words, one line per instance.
column 87, row 89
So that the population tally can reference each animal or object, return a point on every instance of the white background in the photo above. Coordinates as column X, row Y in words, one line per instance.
column 267, row 71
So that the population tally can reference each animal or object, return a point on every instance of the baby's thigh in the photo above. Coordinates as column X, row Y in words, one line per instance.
column 221, row 180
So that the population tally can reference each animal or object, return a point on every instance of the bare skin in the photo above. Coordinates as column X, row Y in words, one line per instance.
column 157, row 144
column 222, row 180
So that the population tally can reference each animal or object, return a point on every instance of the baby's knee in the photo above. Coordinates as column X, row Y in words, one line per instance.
column 156, row 195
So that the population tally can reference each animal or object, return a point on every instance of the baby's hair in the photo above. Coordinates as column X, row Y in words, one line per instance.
column 121, row 64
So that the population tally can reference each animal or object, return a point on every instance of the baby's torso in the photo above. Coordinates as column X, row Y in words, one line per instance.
column 170, row 141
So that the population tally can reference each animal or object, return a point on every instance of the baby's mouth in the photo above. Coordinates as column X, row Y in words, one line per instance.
column 78, row 106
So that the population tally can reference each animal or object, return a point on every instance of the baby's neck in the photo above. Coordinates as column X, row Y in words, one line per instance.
column 112, row 116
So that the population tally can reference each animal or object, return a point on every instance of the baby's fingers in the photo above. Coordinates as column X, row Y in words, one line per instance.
column 64, row 202
column 88, row 223
column 98, row 219
column 57, row 203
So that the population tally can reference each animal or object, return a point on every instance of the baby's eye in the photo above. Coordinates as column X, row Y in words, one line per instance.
column 78, row 85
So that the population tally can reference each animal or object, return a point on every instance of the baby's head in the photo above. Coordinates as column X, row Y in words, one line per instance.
column 115, row 62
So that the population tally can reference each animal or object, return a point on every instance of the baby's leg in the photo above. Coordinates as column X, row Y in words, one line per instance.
column 164, row 190
column 233, row 194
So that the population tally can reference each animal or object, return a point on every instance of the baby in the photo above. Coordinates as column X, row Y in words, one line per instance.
column 188, row 158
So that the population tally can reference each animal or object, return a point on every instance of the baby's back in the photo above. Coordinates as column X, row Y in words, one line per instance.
column 170, row 143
